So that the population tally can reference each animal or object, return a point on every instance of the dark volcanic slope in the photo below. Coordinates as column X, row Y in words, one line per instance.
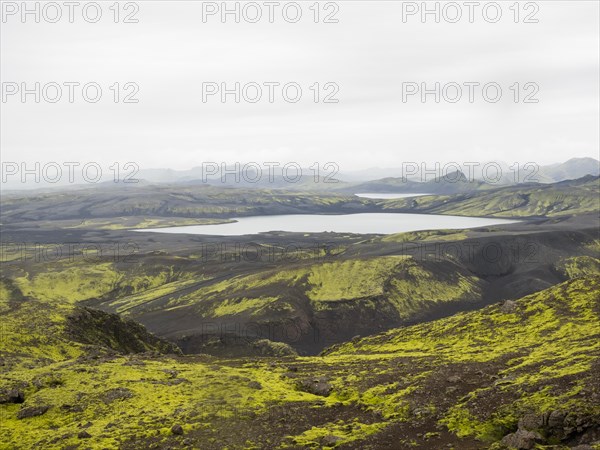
column 369, row 287
column 333, row 288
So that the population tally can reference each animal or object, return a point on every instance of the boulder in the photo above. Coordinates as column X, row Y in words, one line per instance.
column 532, row 422
column 71, row 408
column 556, row 419
column 177, row 429
column 522, row 439
column 12, row 396
column 32, row 411
column 330, row 439
column 508, row 307
column 316, row 386
column 116, row 394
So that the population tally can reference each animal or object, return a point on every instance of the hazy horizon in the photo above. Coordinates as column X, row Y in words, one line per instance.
column 368, row 54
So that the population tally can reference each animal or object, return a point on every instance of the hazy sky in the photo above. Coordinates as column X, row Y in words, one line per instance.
column 369, row 54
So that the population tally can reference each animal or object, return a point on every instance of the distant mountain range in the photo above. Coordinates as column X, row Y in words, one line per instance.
column 570, row 170
column 462, row 177
column 452, row 183
column 443, row 179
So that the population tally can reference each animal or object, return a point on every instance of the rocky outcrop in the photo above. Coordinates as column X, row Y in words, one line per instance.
column 522, row 439
column 11, row 396
column 94, row 327
column 32, row 411
column 229, row 345
column 555, row 426
column 316, row 386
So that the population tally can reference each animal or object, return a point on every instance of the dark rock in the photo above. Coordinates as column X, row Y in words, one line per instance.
column 71, row 408
column 558, row 425
column 510, row 379
column 316, row 386
column 531, row 422
column 254, row 385
column 171, row 381
column 556, row 419
column 177, row 429
column 583, row 447
column 116, row 394
column 330, row 439
column 134, row 362
column 508, row 307
column 454, row 379
column 522, row 439
column 12, row 396
column 289, row 375
column 32, row 411
column 171, row 373
column 590, row 436
column 84, row 435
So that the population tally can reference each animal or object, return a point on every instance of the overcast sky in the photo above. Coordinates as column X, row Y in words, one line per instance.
column 369, row 53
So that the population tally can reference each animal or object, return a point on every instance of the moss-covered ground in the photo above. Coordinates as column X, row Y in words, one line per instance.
column 464, row 381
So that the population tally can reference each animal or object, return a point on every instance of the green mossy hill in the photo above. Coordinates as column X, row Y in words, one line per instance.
column 335, row 300
column 94, row 327
column 464, row 382
column 525, row 359
column 172, row 205
column 114, row 207
column 42, row 321
column 579, row 266
column 552, row 200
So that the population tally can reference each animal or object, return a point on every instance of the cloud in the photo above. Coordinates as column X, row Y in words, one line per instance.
column 368, row 54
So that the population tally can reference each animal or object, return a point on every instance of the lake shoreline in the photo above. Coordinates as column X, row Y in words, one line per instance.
column 362, row 223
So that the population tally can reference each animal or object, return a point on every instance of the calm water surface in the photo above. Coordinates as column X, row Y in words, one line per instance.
column 376, row 195
column 364, row 223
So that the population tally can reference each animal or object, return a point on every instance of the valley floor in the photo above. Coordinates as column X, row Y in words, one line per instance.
column 448, row 339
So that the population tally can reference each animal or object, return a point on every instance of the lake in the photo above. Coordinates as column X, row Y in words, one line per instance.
column 382, row 196
column 362, row 223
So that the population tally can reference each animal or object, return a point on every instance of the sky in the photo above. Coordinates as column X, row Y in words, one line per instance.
column 365, row 55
